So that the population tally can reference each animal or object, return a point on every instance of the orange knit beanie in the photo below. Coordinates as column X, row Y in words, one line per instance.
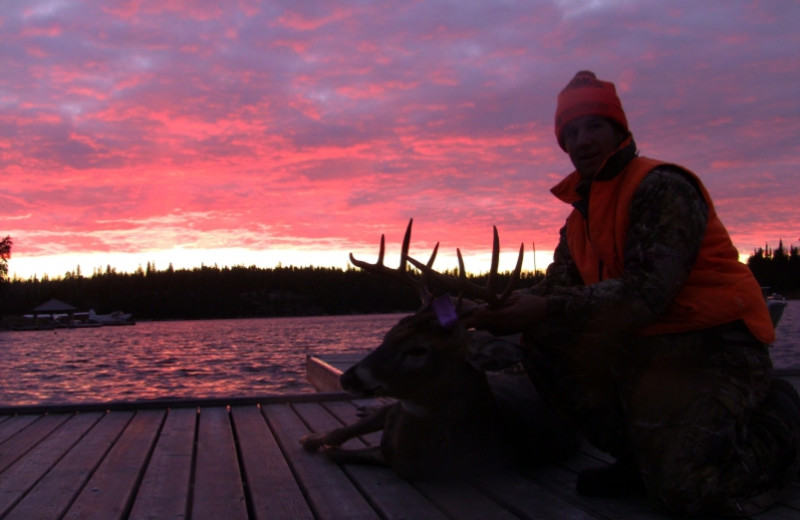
column 585, row 95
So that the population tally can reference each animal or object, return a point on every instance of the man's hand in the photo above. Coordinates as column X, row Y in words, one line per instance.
column 519, row 311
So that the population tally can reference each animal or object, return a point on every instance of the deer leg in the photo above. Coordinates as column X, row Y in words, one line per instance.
column 338, row 436
column 372, row 455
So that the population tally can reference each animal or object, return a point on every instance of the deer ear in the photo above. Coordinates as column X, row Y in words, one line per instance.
column 486, row 352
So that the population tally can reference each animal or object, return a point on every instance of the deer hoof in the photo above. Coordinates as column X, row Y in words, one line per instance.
column 335, row 454
column 312, row 442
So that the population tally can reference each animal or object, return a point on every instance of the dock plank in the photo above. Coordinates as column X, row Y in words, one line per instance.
column 273, row 490
column 462, row 500
column 112, row 487
column 56, row 491
column 164, row 491
column 218, row 489
column 561, row 481
column 529, row 500
column 17, row 479
column 14, row 425
column 16, row 446
column 329, row 491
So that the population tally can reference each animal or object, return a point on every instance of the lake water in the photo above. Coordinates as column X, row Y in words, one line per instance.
column 176, row 359
column 215, row 358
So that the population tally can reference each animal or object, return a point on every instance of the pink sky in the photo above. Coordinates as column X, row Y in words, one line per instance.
column 257, row 132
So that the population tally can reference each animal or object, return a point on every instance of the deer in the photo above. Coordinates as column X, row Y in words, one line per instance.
column 447, row 419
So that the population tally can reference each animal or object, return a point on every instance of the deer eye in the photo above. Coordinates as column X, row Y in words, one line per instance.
column 416, row 351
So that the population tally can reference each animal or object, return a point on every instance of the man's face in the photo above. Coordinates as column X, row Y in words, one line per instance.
column 590, row 140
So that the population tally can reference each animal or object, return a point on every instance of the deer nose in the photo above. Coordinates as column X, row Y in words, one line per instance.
column 350, row 381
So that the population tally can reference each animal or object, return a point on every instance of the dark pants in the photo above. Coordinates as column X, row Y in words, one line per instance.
column 697, row 412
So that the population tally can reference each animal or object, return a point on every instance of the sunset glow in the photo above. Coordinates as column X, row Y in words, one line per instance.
column 264, row 132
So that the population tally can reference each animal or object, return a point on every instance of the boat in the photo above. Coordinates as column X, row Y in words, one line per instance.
column 776, row 304
column 114, row 318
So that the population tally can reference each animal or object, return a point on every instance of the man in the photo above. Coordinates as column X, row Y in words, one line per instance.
column 648, row 333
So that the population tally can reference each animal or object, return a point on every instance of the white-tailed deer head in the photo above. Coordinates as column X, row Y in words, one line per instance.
column 425, row 354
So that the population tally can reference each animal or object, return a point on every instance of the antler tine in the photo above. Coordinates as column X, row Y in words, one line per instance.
column 514, row 275
column 492, row 279
column 462, row 272
column 406, row 244
column 460, row 283
column 433, row 255
column 378, row 266
column 401, row 273
column 381, row 251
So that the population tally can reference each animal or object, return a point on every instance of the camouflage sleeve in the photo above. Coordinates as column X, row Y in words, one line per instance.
column 562, row 272
column 668, row 219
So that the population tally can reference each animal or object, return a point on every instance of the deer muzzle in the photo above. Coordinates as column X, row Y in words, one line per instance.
column 359, row 381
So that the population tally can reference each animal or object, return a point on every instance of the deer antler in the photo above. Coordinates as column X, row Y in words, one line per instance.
column 401, row 273
column 464, row 287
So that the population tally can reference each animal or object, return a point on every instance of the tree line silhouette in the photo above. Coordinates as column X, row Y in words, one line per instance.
column 238, row 292
column 223, row 292
column 778, row 269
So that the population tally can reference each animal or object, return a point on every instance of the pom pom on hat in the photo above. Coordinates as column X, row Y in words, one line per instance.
column 585, row 95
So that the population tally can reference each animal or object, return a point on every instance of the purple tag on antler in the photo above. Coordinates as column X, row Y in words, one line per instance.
column 445, row 311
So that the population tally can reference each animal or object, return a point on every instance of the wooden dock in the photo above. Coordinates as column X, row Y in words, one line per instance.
column 240, row 459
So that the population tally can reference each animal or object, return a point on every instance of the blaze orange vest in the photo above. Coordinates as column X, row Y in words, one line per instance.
column 719, row 288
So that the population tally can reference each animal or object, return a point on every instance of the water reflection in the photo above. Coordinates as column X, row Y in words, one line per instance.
column 176, row 359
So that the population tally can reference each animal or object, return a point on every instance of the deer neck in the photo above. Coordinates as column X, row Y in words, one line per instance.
column 466, row 388
column 414, row 409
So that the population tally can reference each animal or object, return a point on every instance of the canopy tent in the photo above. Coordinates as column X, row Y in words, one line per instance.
column 52, row 307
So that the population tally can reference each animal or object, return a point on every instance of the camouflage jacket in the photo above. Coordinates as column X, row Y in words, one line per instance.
column 668, row 219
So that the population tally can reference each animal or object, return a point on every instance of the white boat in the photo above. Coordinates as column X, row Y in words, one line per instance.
column 115, row 318
column 776, row 303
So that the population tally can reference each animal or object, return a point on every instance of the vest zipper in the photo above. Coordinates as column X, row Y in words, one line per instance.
column 600, row 270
